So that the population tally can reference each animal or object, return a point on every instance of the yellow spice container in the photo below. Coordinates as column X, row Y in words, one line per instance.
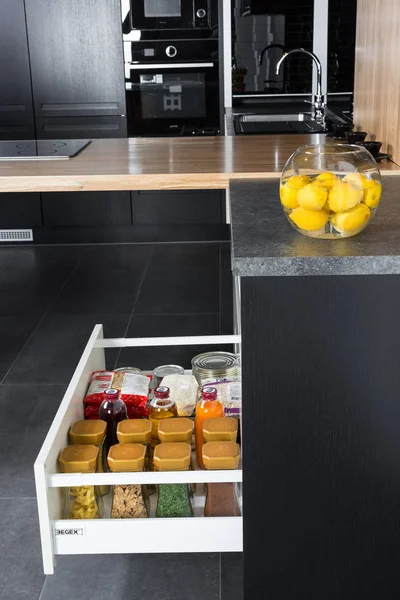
column 220, row 429
column 221, row 500
column 81, row 502
column 175, row 430
column 134, row 431
column 130, row 501
column 221, row 455
column 92, row 432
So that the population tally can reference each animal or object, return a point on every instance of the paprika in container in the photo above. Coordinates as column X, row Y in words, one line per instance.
column 208, row 407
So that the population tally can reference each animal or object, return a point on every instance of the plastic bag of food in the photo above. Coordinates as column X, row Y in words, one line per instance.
column 133, row 388
column 183, row 390
column 100, row 381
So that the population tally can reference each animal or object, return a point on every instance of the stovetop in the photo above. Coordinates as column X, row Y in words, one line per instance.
column 41, row 149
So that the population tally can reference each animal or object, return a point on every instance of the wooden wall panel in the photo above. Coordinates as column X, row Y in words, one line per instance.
column 377, row 72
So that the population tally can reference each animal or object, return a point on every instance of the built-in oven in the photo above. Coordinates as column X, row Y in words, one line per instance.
column 173, row 99
column 170, row 14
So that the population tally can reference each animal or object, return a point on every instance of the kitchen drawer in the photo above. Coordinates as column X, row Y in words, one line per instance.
column 123, row 536
column 20, row 210
column 76, row 209
column 178, row 207
column 81, row 128
column 17, row 129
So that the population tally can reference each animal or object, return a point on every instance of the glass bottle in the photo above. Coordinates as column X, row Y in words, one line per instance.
column 161, row 407
column 208, row 407
column 83, row 501
column 221, row 499
column 112, row 410
column 174, row 499
column 130, row 501
column 92, row 433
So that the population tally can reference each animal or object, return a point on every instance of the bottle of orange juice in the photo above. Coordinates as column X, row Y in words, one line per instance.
column 207, row 408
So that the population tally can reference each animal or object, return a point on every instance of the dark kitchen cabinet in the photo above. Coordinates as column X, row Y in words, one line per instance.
column 17, row 129
column 20, row 210
column 15, row 78
column 81, row 127
column 181, row 207
column 76, row 209
column 77, row 58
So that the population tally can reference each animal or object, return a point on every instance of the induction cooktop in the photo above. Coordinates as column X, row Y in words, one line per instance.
column 41, row 149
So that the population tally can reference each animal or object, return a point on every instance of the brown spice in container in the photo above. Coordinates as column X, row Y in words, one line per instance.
column 128, row 502
column 221, row 501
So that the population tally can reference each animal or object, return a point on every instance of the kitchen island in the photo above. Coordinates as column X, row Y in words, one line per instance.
column 321, row 423
column 321, row 410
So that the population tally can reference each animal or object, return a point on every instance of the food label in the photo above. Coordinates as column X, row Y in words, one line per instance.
column 72, row 531
column 134, row 384
column 229, row 393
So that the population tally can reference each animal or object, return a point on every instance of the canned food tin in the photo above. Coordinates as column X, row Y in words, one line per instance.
column 135, row 370
column 214, row 366
column 160, row 372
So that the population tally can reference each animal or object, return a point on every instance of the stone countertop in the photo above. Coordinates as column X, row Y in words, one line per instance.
column 265, row 244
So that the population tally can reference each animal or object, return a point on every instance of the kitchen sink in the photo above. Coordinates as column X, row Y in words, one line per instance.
column 301, row 122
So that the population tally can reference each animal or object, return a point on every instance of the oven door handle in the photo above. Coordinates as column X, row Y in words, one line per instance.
column 146, row 67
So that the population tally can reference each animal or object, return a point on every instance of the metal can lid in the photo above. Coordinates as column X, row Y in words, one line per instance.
column 165, row 370
column 135, row 370
column 215, row 362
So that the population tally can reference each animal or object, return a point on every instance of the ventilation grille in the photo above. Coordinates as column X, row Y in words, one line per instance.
column 16, row 235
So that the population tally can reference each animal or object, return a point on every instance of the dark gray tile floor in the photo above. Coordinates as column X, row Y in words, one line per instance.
column 50, row 299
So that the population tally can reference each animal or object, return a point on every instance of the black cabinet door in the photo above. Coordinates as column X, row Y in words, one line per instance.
column 81, row 128
column 15, row 78
column 20, row 210
column 76, row 57
column 17, row 129
column 76, row 209
column 181, row 207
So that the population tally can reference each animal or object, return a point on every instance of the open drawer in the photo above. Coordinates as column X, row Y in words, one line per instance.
column 118, row 536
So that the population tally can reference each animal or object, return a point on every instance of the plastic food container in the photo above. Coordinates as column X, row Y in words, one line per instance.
column 175, row 430
column 221, row 455
column 220, row 429
column 81, row 502
column 134, row 431
column 173, row 498
column 330, row 191
column 92, row 433
column 130, row 501
column 221, row 499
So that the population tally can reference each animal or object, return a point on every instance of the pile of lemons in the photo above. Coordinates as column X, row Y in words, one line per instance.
column 312, row 202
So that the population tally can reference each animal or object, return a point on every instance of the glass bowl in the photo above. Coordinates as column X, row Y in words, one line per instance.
column 330, row 191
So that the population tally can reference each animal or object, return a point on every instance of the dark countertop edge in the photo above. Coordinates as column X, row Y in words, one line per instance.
column 315, row 266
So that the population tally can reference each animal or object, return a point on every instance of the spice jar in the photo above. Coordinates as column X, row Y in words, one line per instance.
column 112, row 410
column 161, row 407
column 208, row 407
column 92, row 433
column 130, row 501
column 83, row 501
column 221, row 500
column 220, row 430
column 175, row 430
column 136, row 431
column 173, row 498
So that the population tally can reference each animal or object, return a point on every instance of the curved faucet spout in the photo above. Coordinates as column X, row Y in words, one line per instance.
column 319, row 101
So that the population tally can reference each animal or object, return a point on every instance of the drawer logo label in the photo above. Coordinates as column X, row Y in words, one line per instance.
column 77, row 531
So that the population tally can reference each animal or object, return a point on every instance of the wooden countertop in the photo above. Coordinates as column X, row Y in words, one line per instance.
column 160, row 164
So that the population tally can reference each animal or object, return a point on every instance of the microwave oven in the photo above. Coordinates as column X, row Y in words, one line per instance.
column 170, row 14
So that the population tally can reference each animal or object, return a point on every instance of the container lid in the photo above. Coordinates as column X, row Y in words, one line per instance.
column 134, row 431
column 221, row 455
column 88, row 432
column 165, row 370
column 215, row 362
column 111, row 394
column 171, row 456
column 220, row 429
column 179, row 429
column 209, row 393
column 126, row 457
column 78, row 459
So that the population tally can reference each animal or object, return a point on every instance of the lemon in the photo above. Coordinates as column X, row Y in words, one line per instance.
column 326, row 179
column 358, row 180
column 372, row 194
column 309, row 220
column 289, row 189
column 312, row 197
column 344, row 196
column 352, row 220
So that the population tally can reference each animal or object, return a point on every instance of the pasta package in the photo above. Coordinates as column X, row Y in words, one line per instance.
column 133, row 388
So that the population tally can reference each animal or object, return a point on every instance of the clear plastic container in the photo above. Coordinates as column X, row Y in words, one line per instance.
column 208, row 407
column 92, row 433
column 161, row 407
column 84, row 501
column 221, row 499
column 130, row 501
column 330, row 191
column 174, row 499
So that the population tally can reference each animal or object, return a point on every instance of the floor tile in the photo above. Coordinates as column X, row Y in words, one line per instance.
column 31, row 407
column 20, row 556
column 106, row 281
column 181, row 278
column 14, row 333
column 135, row 577
column 226, row 290
column 16, row 468
column 167, row 326
column 32, row 278
column 56, row 347
column 232, row 576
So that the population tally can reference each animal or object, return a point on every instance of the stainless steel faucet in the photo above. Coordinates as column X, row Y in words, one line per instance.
column 318, row 101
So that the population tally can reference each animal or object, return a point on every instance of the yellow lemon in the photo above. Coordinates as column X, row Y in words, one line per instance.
column 358, row 180
column 289, row 189
column 312, row 197
column 344, row 196
column 372, row 195
column 352, row 220
column 326, row 179
column 309, row 220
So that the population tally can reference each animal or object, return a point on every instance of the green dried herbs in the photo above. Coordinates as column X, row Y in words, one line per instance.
column 174, row 501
